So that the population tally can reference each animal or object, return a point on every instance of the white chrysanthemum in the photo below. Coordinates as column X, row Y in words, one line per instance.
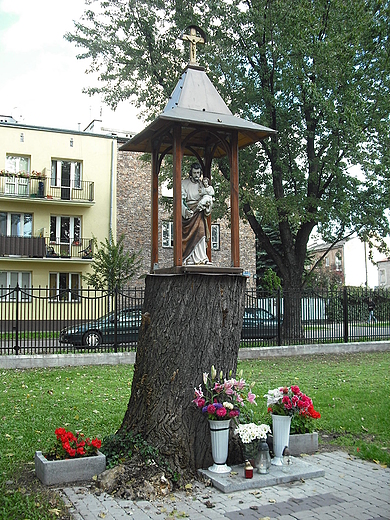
column 250, row 432
column 274, row 396
column 228, row 406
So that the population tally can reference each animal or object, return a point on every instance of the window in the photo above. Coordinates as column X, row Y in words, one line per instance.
column 65, row 229
column 337, row 262
column 18, row 165
column 9, row 279
column 66, row 174
column 382, row 277
column 64, row 286
column 167, row 234
column 16, row 224
column 3, row 224
column 215, row 240
column 327, row 261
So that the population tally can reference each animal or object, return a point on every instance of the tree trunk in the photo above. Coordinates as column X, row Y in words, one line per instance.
column 189, row 323
column 292, row 328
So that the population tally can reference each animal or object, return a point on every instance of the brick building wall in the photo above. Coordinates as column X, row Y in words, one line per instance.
column 134, row 220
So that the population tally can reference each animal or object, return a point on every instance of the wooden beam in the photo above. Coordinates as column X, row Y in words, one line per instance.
column 177, row 228
column 207, row 172
column 154, row 210
column 235, row 217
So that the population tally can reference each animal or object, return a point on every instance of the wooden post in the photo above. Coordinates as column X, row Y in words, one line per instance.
column 177, row 229
column 208, row 251
column 207, row 173
column 235, row 240
column 154, row 215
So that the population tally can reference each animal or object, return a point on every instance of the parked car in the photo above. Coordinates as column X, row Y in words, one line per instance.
column 259, row 324
column 102, row 330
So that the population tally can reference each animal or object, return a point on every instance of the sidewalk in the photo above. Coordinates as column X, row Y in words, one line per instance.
column 350, row 489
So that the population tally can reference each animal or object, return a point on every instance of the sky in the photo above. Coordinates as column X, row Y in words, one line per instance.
column 41, row 80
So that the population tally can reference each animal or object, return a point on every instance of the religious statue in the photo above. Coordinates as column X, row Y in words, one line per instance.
column 197, row 201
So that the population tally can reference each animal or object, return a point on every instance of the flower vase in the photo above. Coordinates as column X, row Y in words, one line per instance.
column 281, row 434
column 219, row 431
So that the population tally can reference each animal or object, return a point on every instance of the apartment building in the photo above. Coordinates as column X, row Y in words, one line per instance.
column 351, row 259
column 57, row 192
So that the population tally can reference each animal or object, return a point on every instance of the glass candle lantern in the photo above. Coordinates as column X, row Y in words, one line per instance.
column 263, row 459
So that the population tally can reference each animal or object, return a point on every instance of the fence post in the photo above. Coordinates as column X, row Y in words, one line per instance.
column 345, row 313
column 115, row 319
column 278, row 300
column 16, row 347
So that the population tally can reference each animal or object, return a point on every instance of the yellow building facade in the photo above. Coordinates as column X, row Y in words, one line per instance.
column 57, row 192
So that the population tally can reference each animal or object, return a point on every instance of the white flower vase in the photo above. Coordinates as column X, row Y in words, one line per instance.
column 219, row 431
column 281, row 435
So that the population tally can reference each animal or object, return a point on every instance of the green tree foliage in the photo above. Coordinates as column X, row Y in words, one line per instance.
column 112, row 266
column 270, row 281
column 317, row 71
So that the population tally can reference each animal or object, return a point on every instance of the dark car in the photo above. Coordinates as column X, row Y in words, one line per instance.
column 259, row 324
column 102, row 330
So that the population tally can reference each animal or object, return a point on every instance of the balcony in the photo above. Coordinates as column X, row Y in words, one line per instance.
column 40, row 247
column 39, row 188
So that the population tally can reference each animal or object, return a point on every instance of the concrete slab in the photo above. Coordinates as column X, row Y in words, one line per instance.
column 235, row 480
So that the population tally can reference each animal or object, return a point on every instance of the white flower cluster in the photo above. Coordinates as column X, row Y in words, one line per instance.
column 250, row 432
column 274, row 396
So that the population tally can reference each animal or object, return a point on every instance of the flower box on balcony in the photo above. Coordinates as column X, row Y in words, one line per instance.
column 69, row 470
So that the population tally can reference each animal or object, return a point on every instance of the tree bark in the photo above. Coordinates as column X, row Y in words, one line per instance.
column 292, row 328
column 190, row 322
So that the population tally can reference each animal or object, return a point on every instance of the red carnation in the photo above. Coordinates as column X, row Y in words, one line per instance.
column 96, row 443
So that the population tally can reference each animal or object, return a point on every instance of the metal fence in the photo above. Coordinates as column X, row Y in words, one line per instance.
column 47, row 320
column 340, row 315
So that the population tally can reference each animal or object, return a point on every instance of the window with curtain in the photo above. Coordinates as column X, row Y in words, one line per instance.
column 64, row 286
column 16, row 224
column 9, row 279
column 65, row 229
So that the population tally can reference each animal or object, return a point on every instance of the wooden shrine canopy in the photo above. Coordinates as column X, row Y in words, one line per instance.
column 195, row 122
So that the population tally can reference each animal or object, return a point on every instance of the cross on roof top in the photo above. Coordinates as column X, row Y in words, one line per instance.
column 196, row 36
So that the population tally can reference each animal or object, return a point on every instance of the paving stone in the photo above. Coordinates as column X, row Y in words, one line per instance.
column 350, row 489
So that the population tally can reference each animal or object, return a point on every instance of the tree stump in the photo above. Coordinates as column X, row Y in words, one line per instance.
column 190, row 322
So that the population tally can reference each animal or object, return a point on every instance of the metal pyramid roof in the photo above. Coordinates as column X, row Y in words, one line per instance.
column 204, row 118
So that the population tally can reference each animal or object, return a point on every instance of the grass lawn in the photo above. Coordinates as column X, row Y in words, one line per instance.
column 352, row 393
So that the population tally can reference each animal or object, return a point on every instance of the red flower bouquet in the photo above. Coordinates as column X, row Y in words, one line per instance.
column 291, row 401
column 70, row 446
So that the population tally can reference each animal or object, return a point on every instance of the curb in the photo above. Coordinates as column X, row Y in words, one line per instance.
column 128, row 358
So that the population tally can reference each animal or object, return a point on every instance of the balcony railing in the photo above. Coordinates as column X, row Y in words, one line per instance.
column 40, row 247
column 40, row 188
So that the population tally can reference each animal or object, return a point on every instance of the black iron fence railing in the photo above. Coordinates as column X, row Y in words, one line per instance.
column 40, row 320
column 322, row 316
column 49, row 320
column 82, row 248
